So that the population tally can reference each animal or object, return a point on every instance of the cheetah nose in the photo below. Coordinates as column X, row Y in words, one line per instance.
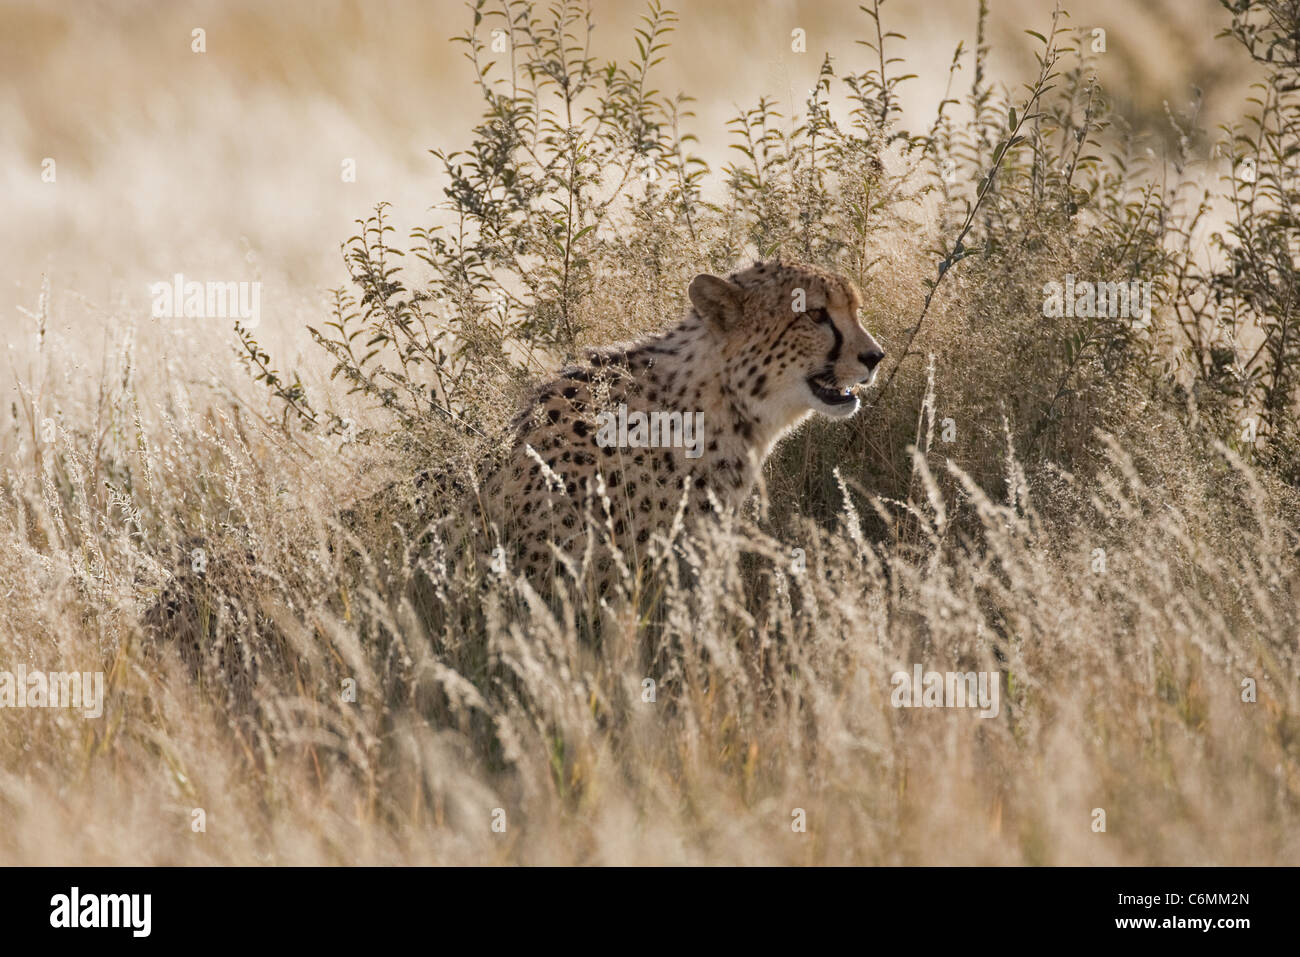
column 871, row 358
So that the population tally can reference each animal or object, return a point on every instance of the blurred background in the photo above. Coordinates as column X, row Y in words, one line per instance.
column 227, row 164
column 116, row 446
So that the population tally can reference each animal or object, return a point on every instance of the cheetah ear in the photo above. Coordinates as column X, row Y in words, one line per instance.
column 717, row 300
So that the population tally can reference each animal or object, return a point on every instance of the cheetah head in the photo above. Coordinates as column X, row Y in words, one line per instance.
column 790, row 336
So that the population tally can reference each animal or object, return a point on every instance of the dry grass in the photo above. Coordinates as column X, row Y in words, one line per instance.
column 1123, row 688
column 1123, row 684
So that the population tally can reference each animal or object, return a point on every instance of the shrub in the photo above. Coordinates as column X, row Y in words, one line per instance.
column 1065, row 499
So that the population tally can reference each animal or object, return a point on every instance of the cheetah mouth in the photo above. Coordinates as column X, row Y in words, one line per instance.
column 826, row 391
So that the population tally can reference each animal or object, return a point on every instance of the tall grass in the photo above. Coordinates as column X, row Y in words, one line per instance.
column 1070, row 502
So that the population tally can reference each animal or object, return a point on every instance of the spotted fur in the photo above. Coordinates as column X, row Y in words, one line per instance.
column 756, row 354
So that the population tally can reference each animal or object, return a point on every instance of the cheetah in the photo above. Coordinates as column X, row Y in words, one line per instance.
column 626, row 444
column 679, row 423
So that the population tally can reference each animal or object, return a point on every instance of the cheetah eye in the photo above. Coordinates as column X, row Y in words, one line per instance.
column 819, row 315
